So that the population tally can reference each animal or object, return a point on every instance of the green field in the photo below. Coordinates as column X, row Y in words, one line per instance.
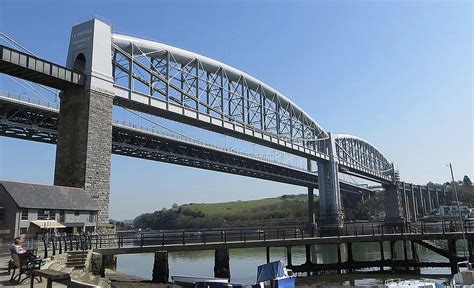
column 284, row 210
column 240, row 207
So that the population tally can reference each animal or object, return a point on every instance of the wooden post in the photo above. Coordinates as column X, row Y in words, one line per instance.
column 268, row 254
column 405, row 253
column 339, row 258
column 161, row 271
column 350, row 257
column 392, row 252
column 221, row 263
column 382, row 256
column 414, row 255
column 470, row 247
column 288, row 256
column 452, row 256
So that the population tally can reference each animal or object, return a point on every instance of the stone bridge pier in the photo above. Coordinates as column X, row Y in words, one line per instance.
column 331, row 216
column 85, row 119
column 394, row 203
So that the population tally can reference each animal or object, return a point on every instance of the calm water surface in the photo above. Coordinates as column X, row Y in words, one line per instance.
column 244, row 262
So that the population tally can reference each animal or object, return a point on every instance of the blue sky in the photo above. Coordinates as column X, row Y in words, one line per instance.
column 396, row 73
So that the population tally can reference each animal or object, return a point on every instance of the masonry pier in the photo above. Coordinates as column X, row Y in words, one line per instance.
column 161, row 271
column 221, row 263
column 85, row 117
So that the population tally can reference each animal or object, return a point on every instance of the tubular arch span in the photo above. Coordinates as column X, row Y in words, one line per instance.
column 203, row 87
column 181, row 85
column 353, row 151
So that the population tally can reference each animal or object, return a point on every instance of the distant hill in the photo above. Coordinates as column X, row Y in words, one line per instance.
column 284, row 210
column 239, row 207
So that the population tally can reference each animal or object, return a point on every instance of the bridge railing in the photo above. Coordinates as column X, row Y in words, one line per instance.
column 50, row 245
column 157, row 238
column 29, row 99
column 260, row 157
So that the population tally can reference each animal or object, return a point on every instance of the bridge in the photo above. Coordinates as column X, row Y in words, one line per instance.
column 440, row 237
column 106, row 69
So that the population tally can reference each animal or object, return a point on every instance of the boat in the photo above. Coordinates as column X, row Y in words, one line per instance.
column 464, row 278
column 270, row 275
column 411, row 283
column 275, row 275
column 192, row 281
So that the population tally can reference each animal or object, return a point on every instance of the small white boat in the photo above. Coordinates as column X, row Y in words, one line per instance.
column 191, row 281
column 464, row 278
column 411, row 283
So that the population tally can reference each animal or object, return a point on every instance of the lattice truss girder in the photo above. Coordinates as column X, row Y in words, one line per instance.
column 192, row 84
column 360, row 153
column 19, row 122
column 141, row 145
column 40, row 124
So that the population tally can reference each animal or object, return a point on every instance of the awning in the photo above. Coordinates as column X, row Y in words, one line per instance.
column 47, row 224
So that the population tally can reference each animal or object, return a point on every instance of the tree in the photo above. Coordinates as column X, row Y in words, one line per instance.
column 466, row 181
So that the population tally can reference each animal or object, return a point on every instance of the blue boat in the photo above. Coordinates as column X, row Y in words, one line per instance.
column 275, row 275
column 270, row 275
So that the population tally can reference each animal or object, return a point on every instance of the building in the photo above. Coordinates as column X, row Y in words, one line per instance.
column 34, row 209
column 451, row 211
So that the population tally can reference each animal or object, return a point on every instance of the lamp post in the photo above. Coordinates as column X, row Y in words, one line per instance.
column 459, row 210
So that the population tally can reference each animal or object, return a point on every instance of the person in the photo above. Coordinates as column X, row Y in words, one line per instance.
column 16, row 248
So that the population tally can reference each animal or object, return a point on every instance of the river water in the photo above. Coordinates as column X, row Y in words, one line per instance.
column 244, row 262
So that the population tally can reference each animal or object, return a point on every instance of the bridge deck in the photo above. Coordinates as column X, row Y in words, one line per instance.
column 36, row 122
column 280, row 242
column 31, row 68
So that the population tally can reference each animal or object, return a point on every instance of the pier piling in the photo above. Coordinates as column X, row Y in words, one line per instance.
column 221, row 263
column 161, row 271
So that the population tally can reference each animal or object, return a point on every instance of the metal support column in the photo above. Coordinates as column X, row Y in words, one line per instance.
column 331, row 218
column 413, row 201
column 311, row 220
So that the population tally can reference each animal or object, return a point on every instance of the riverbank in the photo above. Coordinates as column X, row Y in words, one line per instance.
column 116, row 279
column 57, row 262
column 80, row 277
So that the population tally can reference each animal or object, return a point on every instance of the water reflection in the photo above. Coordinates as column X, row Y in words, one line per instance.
column 244, row 262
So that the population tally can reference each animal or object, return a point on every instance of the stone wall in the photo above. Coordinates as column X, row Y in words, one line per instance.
column 84, row 145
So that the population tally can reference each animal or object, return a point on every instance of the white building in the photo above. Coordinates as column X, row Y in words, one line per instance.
column 32, row 208
column 451, row 211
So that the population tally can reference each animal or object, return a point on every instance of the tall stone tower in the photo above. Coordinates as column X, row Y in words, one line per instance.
column 331, row 217
column 85, row 117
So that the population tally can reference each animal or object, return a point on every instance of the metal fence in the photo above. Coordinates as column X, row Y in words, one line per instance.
column 50, row 245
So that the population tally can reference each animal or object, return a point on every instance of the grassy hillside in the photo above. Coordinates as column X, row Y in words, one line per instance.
column 240, row 207
column 284, row 210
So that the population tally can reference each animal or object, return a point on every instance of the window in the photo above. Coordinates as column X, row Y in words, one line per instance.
column 91, row 216
column 24, row 214
column 61, row 216
column 77, row 212
column 23, row 230
column 2, row 214
column 46, row 214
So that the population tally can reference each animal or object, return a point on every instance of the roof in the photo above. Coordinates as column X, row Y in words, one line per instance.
column 39, row 196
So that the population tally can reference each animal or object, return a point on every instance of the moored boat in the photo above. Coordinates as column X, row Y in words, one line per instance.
column 411, row 283
column 275, row 275
column 464, row 278
column 270, row 275
column 191, row 281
